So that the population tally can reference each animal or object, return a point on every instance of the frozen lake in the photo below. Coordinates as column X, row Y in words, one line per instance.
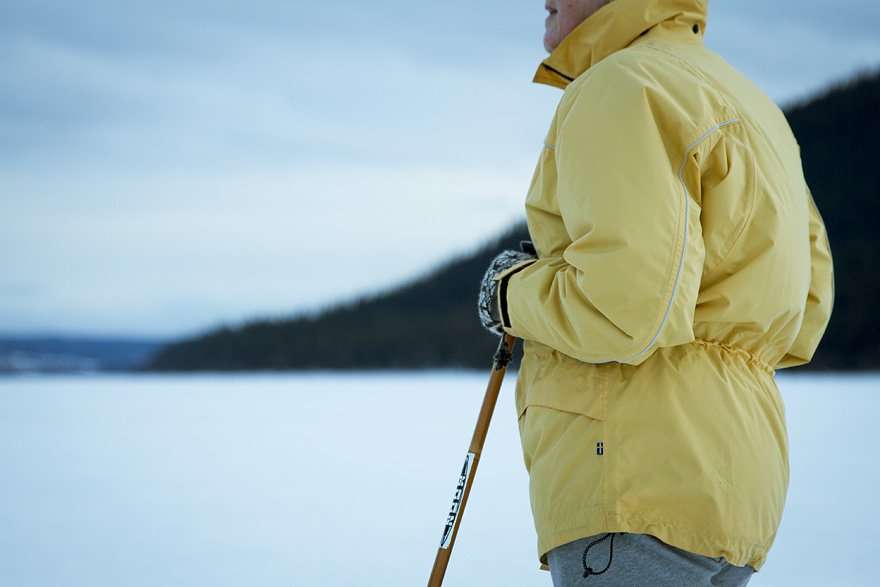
column 341, row 479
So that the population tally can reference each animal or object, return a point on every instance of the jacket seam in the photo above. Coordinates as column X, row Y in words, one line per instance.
column 670, row 523
column 735, row 239
column 685, row 216
column 617, row 521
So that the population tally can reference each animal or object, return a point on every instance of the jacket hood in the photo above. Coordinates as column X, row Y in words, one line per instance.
column 613, row 27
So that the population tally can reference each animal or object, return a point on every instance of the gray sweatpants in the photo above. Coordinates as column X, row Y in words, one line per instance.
column 639, row 559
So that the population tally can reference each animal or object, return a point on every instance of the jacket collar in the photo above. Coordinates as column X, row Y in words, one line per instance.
column 613, row 27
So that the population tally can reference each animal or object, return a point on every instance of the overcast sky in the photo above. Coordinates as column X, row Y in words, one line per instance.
column 169, row 166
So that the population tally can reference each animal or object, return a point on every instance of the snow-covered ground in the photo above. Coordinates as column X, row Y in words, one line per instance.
column 342, row 479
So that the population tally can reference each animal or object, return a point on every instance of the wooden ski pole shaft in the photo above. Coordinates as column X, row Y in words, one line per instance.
column 466, row 478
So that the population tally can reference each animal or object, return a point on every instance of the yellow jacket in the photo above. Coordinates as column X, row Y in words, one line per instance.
column 681, row 261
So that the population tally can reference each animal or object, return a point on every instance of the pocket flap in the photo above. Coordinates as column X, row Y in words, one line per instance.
column 573, row 397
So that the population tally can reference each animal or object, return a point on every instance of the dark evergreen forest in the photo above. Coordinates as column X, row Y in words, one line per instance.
column 432, row 321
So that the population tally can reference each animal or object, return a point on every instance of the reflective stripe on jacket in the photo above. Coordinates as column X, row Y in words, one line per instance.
column 681, row 261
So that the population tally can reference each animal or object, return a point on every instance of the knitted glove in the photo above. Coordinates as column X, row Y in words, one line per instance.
column 487, row 304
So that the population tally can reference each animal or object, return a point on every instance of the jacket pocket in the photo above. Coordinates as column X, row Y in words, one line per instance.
column 561, row 405
column 550, row 379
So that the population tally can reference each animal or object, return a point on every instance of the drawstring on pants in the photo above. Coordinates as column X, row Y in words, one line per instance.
column 589, row 570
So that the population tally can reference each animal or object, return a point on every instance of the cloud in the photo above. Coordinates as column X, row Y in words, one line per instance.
column 170, row 165
column 793, row 48
column 264, row 102
column 175, row 251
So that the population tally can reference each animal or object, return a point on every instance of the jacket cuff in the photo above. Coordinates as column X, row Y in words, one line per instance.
column 503, row 279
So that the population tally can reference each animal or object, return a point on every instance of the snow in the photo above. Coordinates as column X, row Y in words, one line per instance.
column 336, row 479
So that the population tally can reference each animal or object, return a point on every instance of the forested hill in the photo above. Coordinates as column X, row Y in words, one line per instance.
column 838, row 133
column 432, row 321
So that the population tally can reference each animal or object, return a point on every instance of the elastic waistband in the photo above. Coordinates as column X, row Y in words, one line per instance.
column 742, row 353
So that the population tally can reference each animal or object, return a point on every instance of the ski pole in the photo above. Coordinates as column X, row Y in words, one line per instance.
column 466, row 477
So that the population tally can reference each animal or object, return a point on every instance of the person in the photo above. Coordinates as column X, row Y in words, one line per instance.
column 678, row 261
